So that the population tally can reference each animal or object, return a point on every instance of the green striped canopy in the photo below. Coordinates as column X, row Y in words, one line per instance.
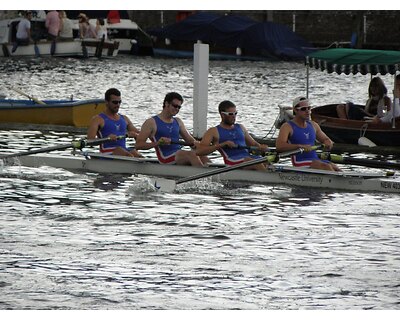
column 353, row 61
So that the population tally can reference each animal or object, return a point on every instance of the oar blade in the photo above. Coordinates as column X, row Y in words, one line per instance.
column 163, row 185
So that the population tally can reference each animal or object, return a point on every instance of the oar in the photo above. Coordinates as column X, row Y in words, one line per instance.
column 76, row 144
column 168, row 185
column 360, row 162
column 28, row 96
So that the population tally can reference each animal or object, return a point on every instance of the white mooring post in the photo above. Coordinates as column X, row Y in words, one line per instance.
column 200, row 89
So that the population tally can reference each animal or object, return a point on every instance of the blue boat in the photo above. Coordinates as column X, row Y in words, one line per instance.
column 231, row 35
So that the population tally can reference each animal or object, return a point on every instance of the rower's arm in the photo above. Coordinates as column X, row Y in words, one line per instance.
column 209, row 143
column 94, row 126
column 282, row 143
column 322, row 137
column 132, row 131
column 147, row 131
column 184, row 133
column 251, row 142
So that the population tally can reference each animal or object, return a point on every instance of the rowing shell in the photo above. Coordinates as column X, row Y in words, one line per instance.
column 276, row 174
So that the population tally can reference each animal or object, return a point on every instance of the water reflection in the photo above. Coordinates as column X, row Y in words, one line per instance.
column 91, row 241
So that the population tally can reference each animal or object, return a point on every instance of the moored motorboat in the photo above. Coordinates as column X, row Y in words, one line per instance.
column 131, row 38
column 277, row 174
column 76, row 113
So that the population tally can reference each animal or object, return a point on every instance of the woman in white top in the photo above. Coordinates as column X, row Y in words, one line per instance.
column 387, row 117
column 101, row 29
column 65, row 26
column 374, row 107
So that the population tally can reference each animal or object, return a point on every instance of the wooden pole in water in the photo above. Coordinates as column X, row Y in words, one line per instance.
column 200, row 89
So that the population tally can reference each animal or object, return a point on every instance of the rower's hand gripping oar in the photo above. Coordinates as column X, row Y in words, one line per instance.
column 337, row 158
column 76, row 144
column 168, row 185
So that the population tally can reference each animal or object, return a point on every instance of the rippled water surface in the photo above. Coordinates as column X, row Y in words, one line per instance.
column 89, row 241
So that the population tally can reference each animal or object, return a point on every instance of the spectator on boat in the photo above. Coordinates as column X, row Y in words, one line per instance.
column 66, row 26
column 113, row 17
column 112, row 124
column 101, row 29
column 301, row 132
column 164, row 131
column 52, row 24
column 23, row 36
column 39, row 14
column 230, row 139
column 375, row 106
column 86, row 30
column 388, row 116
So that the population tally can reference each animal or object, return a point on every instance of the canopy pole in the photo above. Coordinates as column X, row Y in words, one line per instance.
column 307, row 79
column 394, row 103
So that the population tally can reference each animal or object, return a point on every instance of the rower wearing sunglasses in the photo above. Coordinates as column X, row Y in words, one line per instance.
column 112, row 124
column 302, row 132
column 164, row 130
column 231, row 139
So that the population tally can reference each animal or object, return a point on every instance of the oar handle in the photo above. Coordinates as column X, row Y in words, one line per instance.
column 81, row 143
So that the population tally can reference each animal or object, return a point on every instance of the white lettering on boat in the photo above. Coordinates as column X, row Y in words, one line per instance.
column 390, row 185
column 301, row 178
column 355, row 182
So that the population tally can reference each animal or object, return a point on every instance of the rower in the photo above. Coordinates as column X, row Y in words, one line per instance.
column 164, row 130
column 112, row 124
column 301, row 132
column 231, row 139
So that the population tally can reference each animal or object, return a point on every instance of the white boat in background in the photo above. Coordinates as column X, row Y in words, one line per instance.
column 131, row 38
column 42, row 47
column 277, row 174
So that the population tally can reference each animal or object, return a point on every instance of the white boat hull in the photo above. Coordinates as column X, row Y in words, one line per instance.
column 277, row 174
column 73, row 48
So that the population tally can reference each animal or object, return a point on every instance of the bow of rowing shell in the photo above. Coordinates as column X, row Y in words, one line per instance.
column 276, row 175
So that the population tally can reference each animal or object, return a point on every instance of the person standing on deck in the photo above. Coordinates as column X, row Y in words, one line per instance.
column 228, row 136
column 23, row 36
column 52, row 24
column 112, row 124
column 301, row 132
column 164, row 131
column 66, row 26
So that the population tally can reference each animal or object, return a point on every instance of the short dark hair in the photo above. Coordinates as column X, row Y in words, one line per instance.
column 225, row 105
column 169, row 97
column 111, row 91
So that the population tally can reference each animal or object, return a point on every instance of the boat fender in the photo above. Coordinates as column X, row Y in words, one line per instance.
column 363, row 141
column 6, row 53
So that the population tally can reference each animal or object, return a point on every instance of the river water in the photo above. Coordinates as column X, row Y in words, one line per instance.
column 89, row 241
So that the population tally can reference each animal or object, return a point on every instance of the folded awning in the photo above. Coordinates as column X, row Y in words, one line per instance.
column 353, row 61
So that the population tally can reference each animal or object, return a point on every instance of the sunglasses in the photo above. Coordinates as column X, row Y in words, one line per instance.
column 176, row 106
column 304, row 108
column 229, row 113
column 116, row 101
